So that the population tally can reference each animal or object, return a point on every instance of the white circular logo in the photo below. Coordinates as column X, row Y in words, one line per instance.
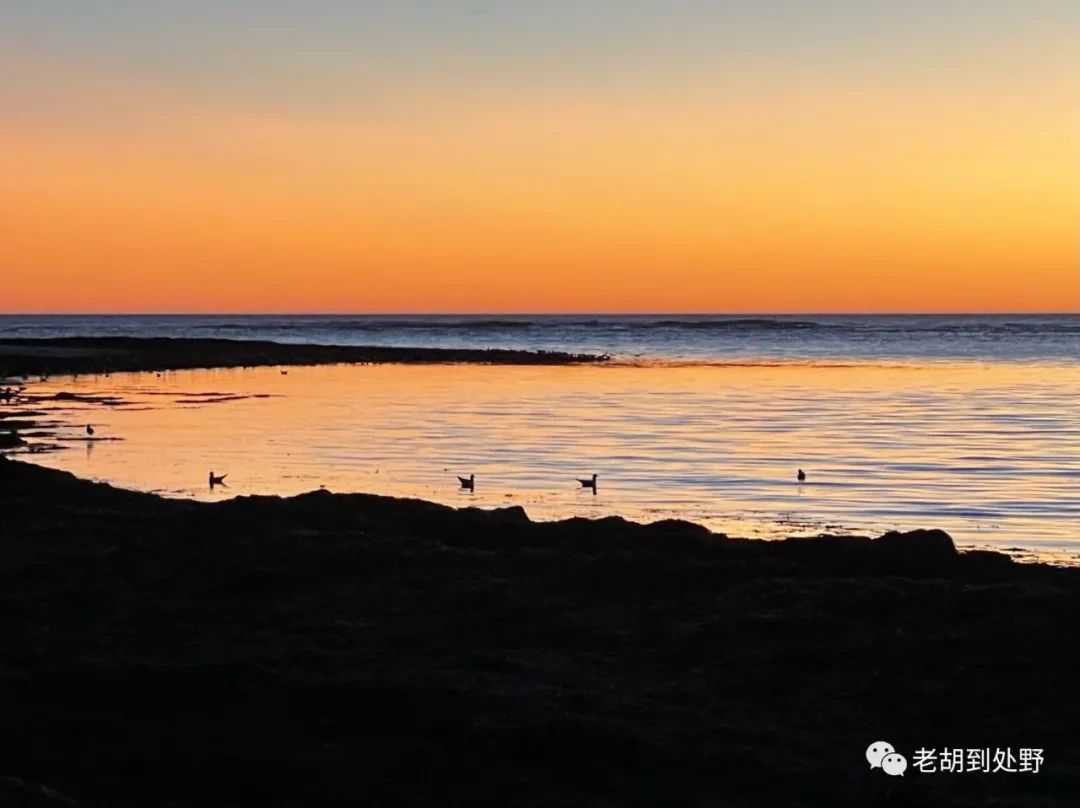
column 876, row 751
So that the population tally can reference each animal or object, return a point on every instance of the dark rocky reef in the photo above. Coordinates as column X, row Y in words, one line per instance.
column 62, row 355
column 352, row 649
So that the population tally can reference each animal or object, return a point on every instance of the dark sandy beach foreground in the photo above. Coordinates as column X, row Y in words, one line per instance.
column 357, row 650
column 61, row 355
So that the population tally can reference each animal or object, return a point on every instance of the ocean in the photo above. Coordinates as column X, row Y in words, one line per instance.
column 693, row 338
column 965, row 423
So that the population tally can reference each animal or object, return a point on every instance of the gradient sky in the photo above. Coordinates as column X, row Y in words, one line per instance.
column 768, row 155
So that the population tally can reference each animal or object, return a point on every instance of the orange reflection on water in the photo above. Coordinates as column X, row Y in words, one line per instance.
column 988, row 452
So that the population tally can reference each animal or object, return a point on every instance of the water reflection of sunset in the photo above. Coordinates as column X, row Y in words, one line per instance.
column 988, row 452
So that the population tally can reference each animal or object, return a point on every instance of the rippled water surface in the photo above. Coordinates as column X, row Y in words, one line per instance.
column 695, row 337
column 988, row 451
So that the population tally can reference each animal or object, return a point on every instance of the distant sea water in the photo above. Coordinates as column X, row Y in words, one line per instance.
column 702, row 338
column 966, row 423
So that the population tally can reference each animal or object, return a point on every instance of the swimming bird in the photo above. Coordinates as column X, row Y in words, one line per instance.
column 217, row 480
column 589, row 483
column 801, row 476
column 284, row 372
column 468, row 483
column 89, row 430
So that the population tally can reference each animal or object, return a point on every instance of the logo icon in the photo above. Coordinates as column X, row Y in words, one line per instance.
column 894, row 764
column 882, row 755
column 876, row 751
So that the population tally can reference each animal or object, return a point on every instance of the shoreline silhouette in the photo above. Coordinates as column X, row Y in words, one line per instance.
column 395, row 649
column 104, row 355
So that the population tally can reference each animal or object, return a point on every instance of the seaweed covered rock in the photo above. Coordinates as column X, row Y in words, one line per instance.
column 929, row 547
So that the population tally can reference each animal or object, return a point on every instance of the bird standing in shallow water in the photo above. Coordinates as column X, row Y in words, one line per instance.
column 589, row 483
column 801, row 476
column 468, row 483
column 217, row 480
column 89, row 430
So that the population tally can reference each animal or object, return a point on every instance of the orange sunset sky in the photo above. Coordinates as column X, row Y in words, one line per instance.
column 440, row 156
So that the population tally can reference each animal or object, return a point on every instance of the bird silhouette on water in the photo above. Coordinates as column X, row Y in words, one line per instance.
column 589, row 483
column 468, row 483
column 801, row 476
column 89, row 430
column 217, row 480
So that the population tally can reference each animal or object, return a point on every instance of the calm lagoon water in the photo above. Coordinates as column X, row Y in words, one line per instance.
column 989, row 451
